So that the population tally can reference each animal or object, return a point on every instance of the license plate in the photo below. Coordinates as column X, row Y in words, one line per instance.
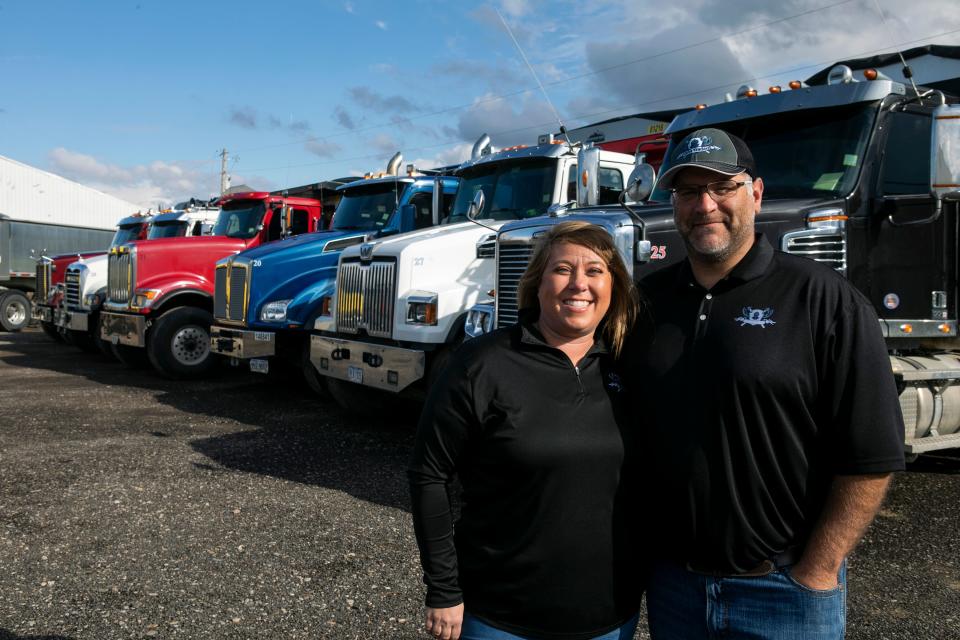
column 259, row 365
column 262, row 336
column 355, row 374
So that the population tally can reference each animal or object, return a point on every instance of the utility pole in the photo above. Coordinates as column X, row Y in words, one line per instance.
column 224, row 178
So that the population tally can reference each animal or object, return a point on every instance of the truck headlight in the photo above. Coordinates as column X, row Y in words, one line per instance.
column 275, row 311
column 91, row 300
column 422, row 309
column 143, row 298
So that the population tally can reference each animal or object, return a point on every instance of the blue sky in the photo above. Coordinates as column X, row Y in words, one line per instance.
column 136, row 98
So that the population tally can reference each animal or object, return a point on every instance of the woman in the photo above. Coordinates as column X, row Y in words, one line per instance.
column 526, row 416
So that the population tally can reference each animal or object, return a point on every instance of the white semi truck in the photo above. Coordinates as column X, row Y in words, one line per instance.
column 400, row 303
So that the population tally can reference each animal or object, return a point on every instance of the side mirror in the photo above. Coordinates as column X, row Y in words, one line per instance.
column 476, row 206
column 408, row 217
column 286, row 223
column 206, row 229
column 644, row 251
column 640, row 183
column 945, row 153
column 588, row 182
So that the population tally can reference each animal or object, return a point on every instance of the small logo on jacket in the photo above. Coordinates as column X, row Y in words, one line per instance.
column 755, row 317
column 614, row 383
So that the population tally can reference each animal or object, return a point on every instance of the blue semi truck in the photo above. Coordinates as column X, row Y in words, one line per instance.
column 267, row 298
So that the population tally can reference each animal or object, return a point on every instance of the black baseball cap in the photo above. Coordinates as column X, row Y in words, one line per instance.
column 710, row 149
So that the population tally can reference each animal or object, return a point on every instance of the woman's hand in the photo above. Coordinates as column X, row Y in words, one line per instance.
column 444, row 623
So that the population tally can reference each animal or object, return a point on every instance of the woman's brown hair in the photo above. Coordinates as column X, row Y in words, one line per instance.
column 623, row 298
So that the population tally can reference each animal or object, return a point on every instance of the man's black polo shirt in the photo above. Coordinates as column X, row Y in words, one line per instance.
column 755, row 394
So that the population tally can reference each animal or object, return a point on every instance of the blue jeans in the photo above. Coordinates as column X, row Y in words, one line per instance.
column 685, row 605
column 475, row 629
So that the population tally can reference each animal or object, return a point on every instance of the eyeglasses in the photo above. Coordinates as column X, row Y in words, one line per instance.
column 719, row 191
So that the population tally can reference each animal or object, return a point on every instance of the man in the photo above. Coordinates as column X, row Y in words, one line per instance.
column 772, row 415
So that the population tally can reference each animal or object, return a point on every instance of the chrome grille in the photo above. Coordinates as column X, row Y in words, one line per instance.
column 828, row 246
column 365, row 297
column 220, row 292
column 72, row 283
column 513, row 259
column 231, row 291
column 487, row 246
column 43, row 281
column 120, row 275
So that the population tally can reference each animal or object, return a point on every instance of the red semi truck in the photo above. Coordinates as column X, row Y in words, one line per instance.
column 160, row 293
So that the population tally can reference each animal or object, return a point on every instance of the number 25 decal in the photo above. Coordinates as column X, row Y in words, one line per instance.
column 658, row 252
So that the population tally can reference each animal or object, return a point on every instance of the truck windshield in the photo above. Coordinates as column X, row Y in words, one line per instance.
column 511, row 190
column 815, row 153
column 169, row 229
column 368, row 208
column 239, row 219
column 126, row 233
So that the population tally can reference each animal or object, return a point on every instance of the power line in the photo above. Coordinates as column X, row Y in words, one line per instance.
column 608, row 112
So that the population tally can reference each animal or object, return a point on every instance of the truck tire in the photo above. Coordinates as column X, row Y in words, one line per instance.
column 178, row 344
column 315, row 382
column 15, row 311
column 130, row 357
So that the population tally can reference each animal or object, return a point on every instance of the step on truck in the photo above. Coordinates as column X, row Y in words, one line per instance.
column 861, row 174
column 51, row 272
column 401, row 302
column 85, row 281
column 286, row 284
column 160, row 293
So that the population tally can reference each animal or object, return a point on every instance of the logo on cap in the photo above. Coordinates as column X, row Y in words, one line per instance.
column 698, row 144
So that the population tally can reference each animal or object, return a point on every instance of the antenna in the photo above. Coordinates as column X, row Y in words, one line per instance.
column 907, row 72
column 563, row 129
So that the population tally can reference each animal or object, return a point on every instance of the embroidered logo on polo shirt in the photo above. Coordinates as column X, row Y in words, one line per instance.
column 613, row 383
column 755, row 317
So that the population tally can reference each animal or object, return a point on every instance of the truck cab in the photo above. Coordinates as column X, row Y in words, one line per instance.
column 287, row 284
column 401, row 302
column 85, row 281
column 160, row 293
column 849, row 169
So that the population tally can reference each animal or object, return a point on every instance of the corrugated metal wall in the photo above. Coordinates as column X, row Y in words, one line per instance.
column 29, row 194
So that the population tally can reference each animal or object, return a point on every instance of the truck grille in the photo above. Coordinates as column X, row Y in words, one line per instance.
column 43, row 281
column 120, row 275
column 231, row 291
column 828, row 246
column 513, row 260
column 72, row 283
column 365, row 297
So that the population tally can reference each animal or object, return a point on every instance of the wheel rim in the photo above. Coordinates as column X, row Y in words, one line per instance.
column 16, row 312
column 190, row 345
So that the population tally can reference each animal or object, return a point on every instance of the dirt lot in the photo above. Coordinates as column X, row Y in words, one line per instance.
column 241, row 507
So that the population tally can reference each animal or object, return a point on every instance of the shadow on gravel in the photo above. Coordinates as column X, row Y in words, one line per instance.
column 946, row 462
column 7, row 635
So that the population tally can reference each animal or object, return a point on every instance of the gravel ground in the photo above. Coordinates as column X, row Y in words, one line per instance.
column 240, row 507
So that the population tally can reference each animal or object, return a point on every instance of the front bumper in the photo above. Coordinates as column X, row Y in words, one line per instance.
column 242, row 344
column 372, row 365
column 72, row 320
column 123, row 328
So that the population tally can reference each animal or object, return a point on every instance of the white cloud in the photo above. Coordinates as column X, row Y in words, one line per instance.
column 147, row 185
column 348, row 7
column 453, row 155
column 381, row 25
column 322, row 148
column 506, row 124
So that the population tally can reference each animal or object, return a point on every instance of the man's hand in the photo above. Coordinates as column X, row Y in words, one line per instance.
column 852, row 502
column 444, row 623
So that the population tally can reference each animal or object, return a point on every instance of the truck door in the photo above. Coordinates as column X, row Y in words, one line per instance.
column 909, row 271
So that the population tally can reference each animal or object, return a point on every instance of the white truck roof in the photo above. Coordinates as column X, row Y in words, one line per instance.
column 29, row 194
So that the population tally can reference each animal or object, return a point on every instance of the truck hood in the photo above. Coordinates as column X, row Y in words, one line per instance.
column 431, row 236
column 301, row 269
column 173, row 264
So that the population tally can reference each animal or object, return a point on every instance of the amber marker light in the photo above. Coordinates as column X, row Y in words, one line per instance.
column 752, row 93
column 775, row 89
column 700, row 106
column 795, row 84
column 583, row 177
column 944, row 328
column 906, row 328
column 825, row 218
column 870, row 74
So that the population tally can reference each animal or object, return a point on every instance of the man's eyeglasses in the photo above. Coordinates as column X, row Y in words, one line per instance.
column 719, row 191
